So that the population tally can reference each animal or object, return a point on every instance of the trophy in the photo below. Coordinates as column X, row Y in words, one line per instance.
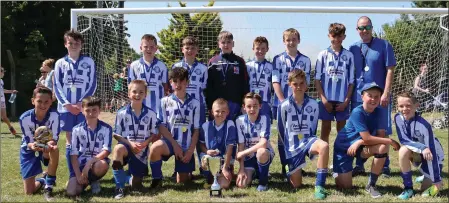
column 213, row 164
column 42, row 135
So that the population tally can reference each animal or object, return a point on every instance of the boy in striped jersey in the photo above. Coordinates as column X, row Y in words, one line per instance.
column 282, row 64
column 420, row 146
column 197, row 77
column 136, row 126
column 30, row 164
column 255, row 153
column 75, row 79
column 151, row 70
column 297, row 123
column 217, row 138
column 179, row 113
column 334, row 81
column 259, row 71
column 91, row 146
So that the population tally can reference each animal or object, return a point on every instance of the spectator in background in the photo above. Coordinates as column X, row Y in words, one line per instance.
column 47, row 76
column 421, row 87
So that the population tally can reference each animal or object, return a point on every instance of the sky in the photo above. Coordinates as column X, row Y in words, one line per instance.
column 247, row 26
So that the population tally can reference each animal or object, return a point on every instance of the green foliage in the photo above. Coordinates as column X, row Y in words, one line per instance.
column 33, row 31
column 204, row 26
column 431, row 4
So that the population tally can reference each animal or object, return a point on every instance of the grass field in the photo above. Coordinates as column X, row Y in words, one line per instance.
column 280, row 191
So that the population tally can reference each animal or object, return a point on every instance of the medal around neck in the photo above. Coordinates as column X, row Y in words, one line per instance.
column 213, row 164
column 73, row 88
column 42, row 135
column 184, row 129
column 366, row 68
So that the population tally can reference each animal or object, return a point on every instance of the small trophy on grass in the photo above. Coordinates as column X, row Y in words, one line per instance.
column 213, row 164
column 42, row 135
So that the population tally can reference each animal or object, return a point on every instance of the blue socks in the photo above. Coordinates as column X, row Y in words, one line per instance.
column 263, row 172
column 156, row 169
column 120, row 178
column 407, row 179
column 372, row 179
column 321, row 175
column 50, row 181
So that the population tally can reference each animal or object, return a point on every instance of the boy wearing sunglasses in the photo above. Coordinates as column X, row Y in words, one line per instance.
column 374, row 61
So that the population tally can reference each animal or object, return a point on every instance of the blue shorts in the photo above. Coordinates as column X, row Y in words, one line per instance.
column 252, row 163
column 342, row 162
column 136, row 167
column 30, row 164
column 338, row 115
column 299, row 160
column 91, row 177
column 180, row 166
column 274, row 112
column 68, row 120
column 266, row 110
column 385, row 114
column 234, row 110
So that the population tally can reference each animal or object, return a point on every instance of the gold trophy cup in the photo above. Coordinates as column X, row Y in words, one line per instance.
column 214, row 166
column 42, row 135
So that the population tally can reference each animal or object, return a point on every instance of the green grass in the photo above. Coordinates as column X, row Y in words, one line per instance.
column 280, row 191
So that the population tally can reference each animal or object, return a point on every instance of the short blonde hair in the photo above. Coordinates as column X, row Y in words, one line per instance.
column 220, row 101
column 290, row 31
column 137, row 82
column 296, row 74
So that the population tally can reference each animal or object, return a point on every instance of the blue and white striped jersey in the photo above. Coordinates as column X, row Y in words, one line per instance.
column 155, row 74
column 197, row 79
column 218, row 137
column 29, row 124
column 137, row 129
column 74, row 80
column 416, row 134
column 87, row 143
column 282, row 65
column 180, row 118
column 297, row 123
column 250, row 133
column 260, row 78
column 335, row 72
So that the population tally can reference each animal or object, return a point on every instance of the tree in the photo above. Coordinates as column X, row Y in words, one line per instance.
column 204, row 26
column 33, row 32
column 431, row 4
column 417, row 39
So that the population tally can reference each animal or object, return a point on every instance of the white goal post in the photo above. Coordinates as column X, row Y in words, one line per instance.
column 106, row 44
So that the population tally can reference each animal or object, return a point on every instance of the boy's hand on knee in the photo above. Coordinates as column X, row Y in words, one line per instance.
column 134, row 147
column 187, row 156
column 353, row 149
column 342, row 106
column 226, row 174
column 239, row 155
column 427, row 154
column 241, row 178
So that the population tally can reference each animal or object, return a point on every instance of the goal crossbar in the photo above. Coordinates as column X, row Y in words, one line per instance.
column 298, row 9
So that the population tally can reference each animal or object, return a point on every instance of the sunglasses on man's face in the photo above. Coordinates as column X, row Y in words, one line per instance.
column 367, row 27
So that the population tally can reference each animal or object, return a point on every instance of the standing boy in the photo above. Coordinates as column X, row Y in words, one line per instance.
column 151, row 70
column 420, row 146
column 360, row 138
column 179, row 112
column 30, row 164
column 135, row 128
column 227, row 76
column 334, row 81
column 91, row 146
column 282, row 64
column 297, row 124
column 75, row 79
column 255, row 153
column 259, row 71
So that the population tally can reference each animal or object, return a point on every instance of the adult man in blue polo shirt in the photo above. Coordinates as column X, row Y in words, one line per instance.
column 374, row 61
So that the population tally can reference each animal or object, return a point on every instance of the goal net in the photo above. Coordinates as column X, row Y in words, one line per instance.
column 113, row 41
